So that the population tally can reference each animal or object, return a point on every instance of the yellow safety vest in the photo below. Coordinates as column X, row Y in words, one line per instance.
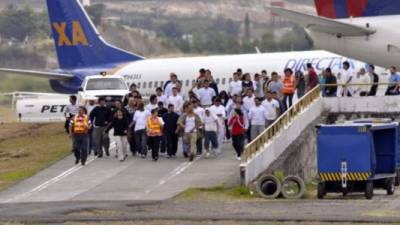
column 153, row 126
column 81, row 124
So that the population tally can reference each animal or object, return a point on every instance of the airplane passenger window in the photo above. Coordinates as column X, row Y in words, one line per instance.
column 150, row 84
column 187, row 83
column 230, row 80
column 156, row 84
column 217, row 81
column 223, row 81
column 138, row 85
column 162, row 84
column 144, row 84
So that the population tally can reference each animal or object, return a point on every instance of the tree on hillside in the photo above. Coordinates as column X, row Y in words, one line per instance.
column 18, row 23
column 96, row 13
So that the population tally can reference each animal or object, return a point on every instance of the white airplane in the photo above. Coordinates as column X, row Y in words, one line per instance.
column 365, row 30
column 83, row 53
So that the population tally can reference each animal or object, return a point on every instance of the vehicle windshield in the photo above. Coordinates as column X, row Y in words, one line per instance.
column 105, row 84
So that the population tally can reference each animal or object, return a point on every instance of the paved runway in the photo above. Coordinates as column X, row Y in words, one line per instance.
column 135, row 179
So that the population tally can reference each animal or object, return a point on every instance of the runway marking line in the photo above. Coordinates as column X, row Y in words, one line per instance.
column 53, row 180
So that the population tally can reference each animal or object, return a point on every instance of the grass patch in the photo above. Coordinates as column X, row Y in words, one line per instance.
column 217, row 193
column 31, row 149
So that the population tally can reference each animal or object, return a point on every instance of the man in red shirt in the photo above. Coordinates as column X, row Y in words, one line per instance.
column 312, row 77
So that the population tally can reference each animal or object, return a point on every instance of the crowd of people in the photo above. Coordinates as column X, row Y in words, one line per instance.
column 206, row 117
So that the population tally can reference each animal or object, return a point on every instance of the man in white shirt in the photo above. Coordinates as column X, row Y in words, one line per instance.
column 249, row 100
column 271, row 107
column 176, row 100
column 258, row 117
column 139, row 121
column 235, row 87
column 210, row 122
column 364, row 80
column 153, row 104
column 347, row 78
column 205, row 94
column 169, row 85
column 70, row 111
column 161, row 97
column 219, row 110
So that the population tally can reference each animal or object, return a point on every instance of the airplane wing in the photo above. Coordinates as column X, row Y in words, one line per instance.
column 322, row 24
column 31, row 73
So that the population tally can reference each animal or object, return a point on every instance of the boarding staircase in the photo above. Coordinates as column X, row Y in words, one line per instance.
column 261, row 152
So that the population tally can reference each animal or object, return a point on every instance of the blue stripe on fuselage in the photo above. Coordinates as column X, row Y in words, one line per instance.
column 382, row 8
column 341, row 9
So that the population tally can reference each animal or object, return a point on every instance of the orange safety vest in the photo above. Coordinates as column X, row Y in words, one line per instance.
column 81, row 124
column 153, row 126
column 288, row 85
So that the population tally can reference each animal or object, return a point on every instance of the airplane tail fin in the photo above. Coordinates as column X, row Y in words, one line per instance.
column 77, row 41
column 338, row 9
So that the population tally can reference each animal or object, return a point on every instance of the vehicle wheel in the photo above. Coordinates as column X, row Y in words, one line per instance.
column 369, row 189
column 397, row 179
column 293, row 187
column 321, row 190
column 390, row 186
column 269, row 187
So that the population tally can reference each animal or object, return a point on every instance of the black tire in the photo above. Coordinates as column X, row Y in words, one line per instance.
column 268, row 186
column 397, row 179
column 369, row 189
column 300, row 185
column 390, row 186
column 321, row 190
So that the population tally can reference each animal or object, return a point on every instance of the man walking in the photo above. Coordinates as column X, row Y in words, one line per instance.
column 170, row 128
column 190, row 124
column 258, row 118
column 100, row 117
column 79, row 132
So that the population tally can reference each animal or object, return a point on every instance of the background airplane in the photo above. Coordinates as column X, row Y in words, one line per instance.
column 82, row 52
column 362, row 29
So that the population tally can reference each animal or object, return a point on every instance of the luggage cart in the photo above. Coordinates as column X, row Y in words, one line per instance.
column 357, row 157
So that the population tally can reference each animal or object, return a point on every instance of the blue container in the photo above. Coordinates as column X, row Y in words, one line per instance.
column 352, row 154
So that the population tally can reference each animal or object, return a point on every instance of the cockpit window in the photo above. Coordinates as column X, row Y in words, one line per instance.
column 105, row 84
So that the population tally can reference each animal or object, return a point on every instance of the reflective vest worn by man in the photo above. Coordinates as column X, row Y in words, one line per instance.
column 80, row 124
column 154, row 126
column 288, row 85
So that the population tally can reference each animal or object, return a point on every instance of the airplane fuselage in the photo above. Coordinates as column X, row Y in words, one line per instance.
column 381, row 48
